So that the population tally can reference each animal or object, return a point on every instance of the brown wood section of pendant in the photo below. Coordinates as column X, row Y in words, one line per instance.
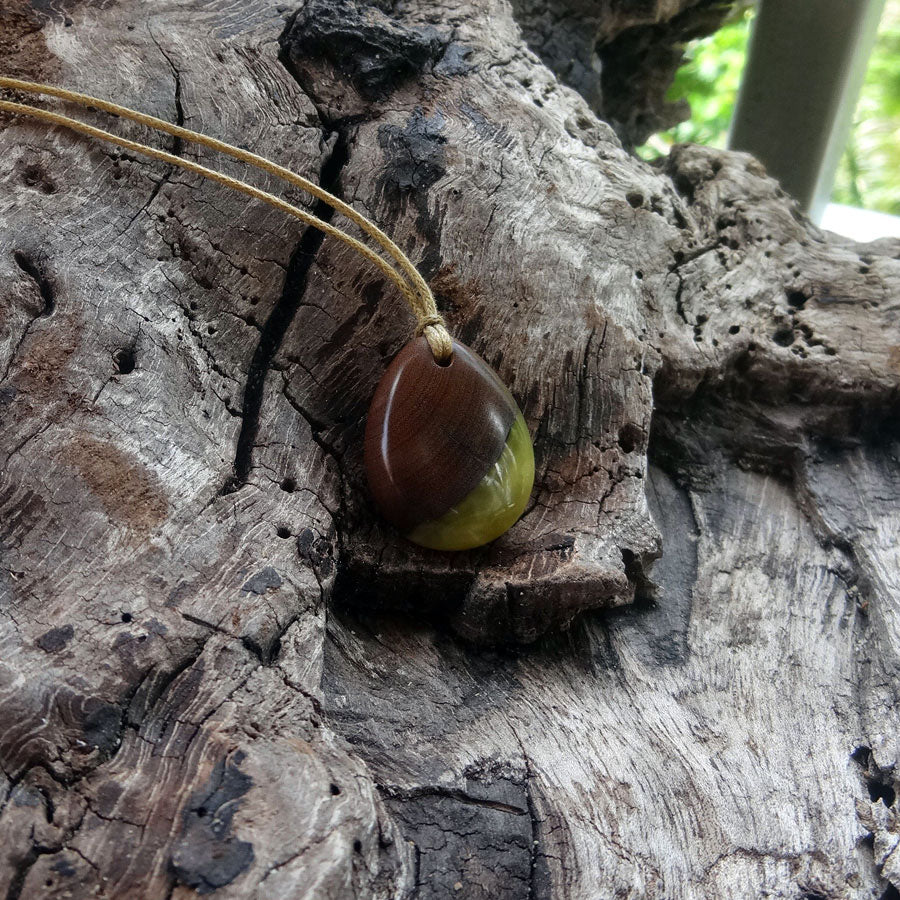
column 433, row 432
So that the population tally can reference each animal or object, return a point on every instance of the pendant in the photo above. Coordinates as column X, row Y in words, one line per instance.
column 447, row 452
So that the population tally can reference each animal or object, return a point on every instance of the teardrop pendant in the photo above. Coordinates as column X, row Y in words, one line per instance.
column 447, row 452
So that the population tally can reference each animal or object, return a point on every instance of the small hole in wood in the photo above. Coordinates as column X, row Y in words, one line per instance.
column 288, row 485
column 734, row 329
column 784, row 337
column 125, row 361
column 335, row 790
column 635, row 198
column 126, row 617
column 878, row 790
column 630, row 437
column 283, row 532
column 357, row 846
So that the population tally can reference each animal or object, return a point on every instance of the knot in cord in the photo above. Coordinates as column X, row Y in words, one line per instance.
column 435, row 331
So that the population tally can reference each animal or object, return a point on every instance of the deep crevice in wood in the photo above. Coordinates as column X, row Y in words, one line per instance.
column 34, row 271
column 279, row 320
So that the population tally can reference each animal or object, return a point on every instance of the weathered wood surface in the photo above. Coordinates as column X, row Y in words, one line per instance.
column 219, row 672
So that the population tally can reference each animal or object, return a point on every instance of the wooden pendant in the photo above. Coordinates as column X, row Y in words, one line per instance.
column 447, row 452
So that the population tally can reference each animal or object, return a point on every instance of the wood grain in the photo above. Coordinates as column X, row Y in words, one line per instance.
column 219, row 670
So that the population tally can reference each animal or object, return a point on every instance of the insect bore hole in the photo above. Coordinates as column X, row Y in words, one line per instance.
column 630, row 437
column 125, row 361
column 635, row 199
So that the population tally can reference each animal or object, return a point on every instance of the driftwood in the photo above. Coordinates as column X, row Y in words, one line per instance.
column 220, row 672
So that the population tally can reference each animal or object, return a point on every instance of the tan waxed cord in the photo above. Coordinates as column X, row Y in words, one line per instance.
column 412, row 285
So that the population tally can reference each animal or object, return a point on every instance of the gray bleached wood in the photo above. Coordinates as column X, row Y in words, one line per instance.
column 219, row 672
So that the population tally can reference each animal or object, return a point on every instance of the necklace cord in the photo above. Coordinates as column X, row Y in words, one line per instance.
column 411, row 284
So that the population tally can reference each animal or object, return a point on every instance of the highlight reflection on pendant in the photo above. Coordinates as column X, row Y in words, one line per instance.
column 447, row 452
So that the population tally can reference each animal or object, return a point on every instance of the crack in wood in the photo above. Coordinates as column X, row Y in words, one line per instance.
column 279, row 320
column 45, row 288
column 460, row 796
column 177, row 146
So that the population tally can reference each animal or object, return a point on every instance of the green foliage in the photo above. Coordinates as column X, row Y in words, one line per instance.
column 709, row 81
column 869, row 171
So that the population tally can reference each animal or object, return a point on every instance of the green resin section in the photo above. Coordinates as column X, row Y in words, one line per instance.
column 491, row 508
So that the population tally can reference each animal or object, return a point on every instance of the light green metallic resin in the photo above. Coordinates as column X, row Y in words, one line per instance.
column 491, row 508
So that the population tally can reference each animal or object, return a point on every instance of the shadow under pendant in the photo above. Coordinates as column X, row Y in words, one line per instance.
column 448, row 456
